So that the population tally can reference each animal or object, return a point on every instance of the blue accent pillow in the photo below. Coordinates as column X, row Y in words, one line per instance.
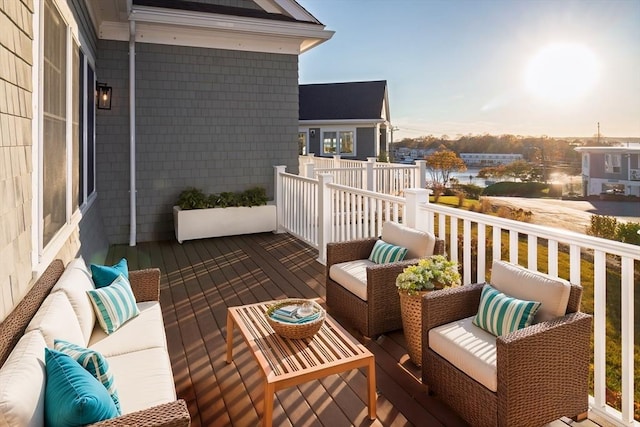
column 103, row 275
column 500, row 314
column 94, row 362
column 383, row 253
column 73, row 397
column 114, row 304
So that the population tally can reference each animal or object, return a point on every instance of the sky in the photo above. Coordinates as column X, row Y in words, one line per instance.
column 458, row 67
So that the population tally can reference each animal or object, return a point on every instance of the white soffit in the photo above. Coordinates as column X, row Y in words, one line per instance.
column 210, row 30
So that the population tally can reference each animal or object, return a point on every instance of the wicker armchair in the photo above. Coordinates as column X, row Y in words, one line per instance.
column 380, row 312
column 542, row 370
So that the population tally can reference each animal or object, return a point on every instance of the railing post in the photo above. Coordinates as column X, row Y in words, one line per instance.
column 415, row 197
column 336, row 160
column 421, row 179
column 278, row 197
column 324, row 215
column 369, row 178
column 309, row 170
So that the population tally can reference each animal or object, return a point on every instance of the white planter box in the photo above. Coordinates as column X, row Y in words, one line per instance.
column 216, row 222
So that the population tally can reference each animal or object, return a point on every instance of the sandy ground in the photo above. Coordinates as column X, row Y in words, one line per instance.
column 569, row 214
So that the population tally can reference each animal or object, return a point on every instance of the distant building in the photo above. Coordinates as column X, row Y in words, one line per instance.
column 488, row 159
column 350, row 119
column 610, row 170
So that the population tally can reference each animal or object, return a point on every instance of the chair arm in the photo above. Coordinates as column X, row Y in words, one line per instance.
column 546, row 359
column 145, row 284
column 172, row 414
column 352, row 250
column 450, row 304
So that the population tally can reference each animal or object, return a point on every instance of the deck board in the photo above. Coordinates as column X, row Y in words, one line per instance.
column 201, row 278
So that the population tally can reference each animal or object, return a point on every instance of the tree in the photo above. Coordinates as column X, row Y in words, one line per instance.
column 442, row 163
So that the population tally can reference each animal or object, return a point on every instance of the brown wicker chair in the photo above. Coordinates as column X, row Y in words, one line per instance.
column 542, row 370
column 380, row 313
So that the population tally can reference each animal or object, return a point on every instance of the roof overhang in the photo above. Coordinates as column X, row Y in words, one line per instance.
column 613, row 150
column 210, row 30
column 351, row 122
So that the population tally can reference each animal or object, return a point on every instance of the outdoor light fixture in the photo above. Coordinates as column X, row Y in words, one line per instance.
column 103, row 100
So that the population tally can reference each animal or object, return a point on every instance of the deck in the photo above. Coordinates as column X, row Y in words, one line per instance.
column 201, row 278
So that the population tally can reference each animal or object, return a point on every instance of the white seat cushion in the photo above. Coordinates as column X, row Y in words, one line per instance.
column 75, row 282
column 519, row 282
column 140, row 333
column 352, row 276
column 419, row 244
column 144, row 378
column 56, row 319
column 468, row 348
column 22, row 383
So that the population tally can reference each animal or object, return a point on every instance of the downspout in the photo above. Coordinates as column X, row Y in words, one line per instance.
column 132, row 130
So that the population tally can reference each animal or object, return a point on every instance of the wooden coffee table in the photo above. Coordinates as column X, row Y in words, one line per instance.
column 287, row 362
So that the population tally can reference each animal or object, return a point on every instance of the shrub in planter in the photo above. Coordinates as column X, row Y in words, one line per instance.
column 198, row 215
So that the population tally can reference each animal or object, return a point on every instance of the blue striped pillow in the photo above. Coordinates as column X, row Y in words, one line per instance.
column 383, row 253
column 114, row 304
column 500, row 314
column 94, row 362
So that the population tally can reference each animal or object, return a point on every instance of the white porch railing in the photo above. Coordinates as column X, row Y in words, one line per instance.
column 385, row 178
column 337, row 212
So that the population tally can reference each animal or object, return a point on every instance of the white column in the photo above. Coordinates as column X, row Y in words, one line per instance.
column 369, row 178
column 278, row 192
column 421, row 179
column 416, row 197
column 324, row 216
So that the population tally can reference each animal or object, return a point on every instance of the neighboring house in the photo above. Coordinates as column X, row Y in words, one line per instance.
column 203, row 93
column 350, row 119
column 610, row 170
column 489, row 159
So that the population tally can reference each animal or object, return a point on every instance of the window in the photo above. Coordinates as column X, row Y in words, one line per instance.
column 338, row 142
column 612, row 163
column 65, row 148
column 54, row 123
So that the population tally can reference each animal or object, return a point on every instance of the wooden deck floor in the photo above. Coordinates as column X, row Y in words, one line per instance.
column 201, row 278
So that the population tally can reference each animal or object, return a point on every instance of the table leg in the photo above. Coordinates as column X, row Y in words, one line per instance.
column 230, row 325
column 267, row 413
column 371, row 379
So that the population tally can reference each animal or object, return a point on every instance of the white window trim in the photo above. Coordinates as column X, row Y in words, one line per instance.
column 338, row 130
column 41, row 256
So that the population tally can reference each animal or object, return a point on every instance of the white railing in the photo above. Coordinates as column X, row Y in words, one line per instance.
column 297, row 205
column 474, row 240
column 385, row 178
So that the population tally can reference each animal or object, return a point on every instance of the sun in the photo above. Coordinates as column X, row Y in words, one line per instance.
column 561, row 73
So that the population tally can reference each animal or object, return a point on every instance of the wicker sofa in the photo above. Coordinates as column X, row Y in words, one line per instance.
column 57, row 307
column 529, row 377
column 376, row 309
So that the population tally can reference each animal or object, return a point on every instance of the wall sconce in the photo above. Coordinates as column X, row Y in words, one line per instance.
column 103, row 100
column 312, row 132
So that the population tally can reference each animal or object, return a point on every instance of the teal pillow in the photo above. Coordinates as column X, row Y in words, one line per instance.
column 94, row 362
column 383, row 253
column 500, row 314
column 72, row 396
column 103, row 275
column 114, row 304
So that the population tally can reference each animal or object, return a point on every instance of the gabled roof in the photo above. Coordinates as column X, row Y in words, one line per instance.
column 343, row 101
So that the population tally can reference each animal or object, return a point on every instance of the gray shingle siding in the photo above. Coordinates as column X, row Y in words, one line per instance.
column 210, row 118
column 365, row 140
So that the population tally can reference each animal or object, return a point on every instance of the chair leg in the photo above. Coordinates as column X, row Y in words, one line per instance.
column 581, row 417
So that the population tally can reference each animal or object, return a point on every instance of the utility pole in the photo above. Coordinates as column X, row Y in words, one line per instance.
column 598, row 133
column 391, row 155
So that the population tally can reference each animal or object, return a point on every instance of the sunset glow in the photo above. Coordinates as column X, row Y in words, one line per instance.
column 561, row 73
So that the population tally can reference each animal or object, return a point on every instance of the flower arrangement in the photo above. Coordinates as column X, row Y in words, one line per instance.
column 430, row 273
